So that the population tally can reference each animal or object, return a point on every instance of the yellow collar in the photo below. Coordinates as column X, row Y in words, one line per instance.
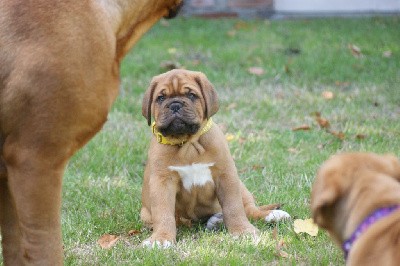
column 178, row 141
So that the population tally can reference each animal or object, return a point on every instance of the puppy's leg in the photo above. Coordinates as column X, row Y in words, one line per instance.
column 228, row 193
column 269, row 213
column 9, row 226
column 162, row 204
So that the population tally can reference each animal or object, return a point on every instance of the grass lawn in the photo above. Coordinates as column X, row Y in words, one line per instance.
column 308, row 66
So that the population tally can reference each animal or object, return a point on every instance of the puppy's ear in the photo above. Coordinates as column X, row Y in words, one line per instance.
column 209, row 95
column 322, row 202
column 148, row 100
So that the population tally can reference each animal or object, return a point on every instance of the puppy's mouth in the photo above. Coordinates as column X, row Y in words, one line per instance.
column 178, row 126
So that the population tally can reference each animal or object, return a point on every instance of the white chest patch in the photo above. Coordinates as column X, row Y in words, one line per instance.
column 194, row 175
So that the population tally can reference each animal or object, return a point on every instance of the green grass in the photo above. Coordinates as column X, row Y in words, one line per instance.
column 103, row 181
column 301, row 59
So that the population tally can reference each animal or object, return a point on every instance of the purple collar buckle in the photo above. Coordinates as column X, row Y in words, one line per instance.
column 365, row 224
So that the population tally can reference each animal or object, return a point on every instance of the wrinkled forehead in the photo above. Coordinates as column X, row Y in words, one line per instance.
column 176, row 84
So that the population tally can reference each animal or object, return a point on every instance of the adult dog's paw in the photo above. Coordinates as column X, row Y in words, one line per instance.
column 276, row 216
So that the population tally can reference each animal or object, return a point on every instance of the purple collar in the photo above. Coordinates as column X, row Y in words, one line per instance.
column 365, row 224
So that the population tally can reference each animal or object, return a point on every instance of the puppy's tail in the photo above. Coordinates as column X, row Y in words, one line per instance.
column 250, row 207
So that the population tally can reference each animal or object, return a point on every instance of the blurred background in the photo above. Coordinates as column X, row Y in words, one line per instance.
column 289, row 8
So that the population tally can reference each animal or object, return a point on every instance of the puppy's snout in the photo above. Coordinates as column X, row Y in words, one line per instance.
column 175, row 106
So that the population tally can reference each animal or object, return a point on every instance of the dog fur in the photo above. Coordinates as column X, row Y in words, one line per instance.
column 349, row 187
column 59, row 75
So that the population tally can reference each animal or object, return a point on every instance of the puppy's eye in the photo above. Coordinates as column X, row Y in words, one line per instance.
column 160, row 98
column 192, row 96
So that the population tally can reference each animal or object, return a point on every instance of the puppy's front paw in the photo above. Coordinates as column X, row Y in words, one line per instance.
column 158, row 242
column 148, row 243
column 276, row 216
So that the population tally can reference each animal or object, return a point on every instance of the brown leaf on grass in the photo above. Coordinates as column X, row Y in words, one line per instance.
column 302, row 127
column 256, row 71
column 361, row 136
column 133, row 232
column 355, row 50
column 322, row 122
column 305, row 226
column 108, row 241
column 283, row 254
column 327, row 95
column 387, row 54
column 339, row 134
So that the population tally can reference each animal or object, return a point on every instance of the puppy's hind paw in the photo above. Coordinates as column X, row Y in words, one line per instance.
column 215, row 221
column 276, row 216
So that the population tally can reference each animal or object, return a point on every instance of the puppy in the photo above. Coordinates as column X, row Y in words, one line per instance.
column 59, row 75
column 356, row 198
column 190, row 173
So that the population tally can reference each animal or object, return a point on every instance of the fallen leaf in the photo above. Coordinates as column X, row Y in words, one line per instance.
column 133, row 232
column 328, row 95
column 339, row 134
column 305, row 226
column 256, row 71
column 108, row 241
column 387, row 54
column 293, row 150
column 360, row 136
column 322, row 122
column 302, row 127
column 355, row 50
column 283, row 254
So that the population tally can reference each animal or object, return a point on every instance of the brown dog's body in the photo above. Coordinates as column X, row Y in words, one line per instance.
column 197, row 179
column 348, row 188
column 59, row 75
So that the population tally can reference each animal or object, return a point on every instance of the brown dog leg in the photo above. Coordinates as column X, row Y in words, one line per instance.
column 34, row 181
column 228, row 189
column 9, row 227
column 162, row 205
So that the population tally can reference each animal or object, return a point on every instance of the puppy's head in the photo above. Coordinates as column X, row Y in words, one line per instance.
column 334, row 183
column 180, row 101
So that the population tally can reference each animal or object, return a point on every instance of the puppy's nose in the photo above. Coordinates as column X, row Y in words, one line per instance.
column 175, row 106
